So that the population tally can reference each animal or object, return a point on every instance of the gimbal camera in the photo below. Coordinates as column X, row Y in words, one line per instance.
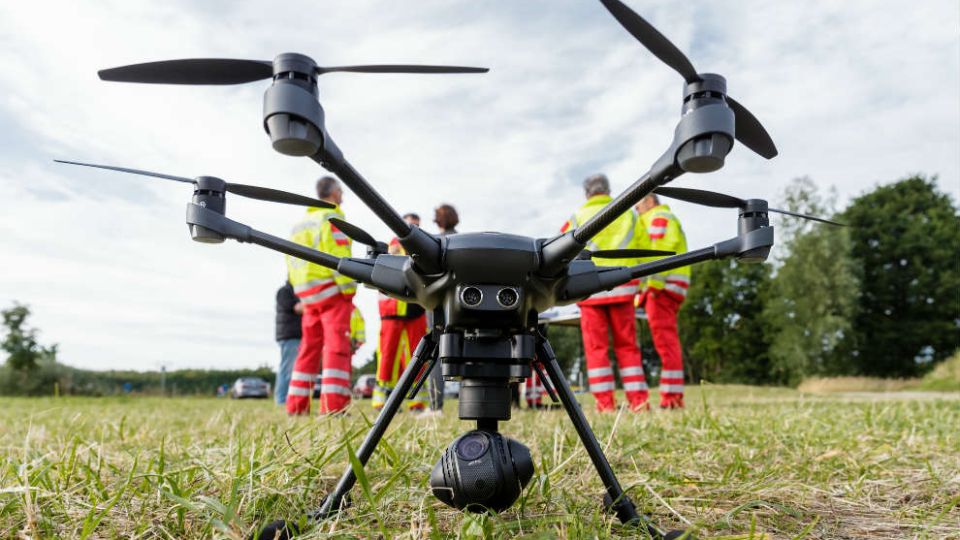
column 485, row 289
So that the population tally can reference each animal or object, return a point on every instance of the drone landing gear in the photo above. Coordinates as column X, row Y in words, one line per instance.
column 615, row 499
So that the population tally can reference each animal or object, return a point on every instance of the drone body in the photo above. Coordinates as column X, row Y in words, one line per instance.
column 485, row 289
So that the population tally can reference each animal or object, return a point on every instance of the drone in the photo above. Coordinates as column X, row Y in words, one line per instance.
column 485, row 289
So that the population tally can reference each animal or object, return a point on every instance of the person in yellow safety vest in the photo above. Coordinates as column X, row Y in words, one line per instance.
column 662, row 296
column 328, row 305
column 358, row 330
column 611, row 311
column 402, row 326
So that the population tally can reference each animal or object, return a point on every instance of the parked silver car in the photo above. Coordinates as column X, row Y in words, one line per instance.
column 250, row 387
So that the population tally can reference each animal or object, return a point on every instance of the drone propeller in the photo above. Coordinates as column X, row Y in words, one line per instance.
column 721, row 200
column 244, row 190
column 625, row 253
column 223, row 71
column 749, row 131
column 358, row 235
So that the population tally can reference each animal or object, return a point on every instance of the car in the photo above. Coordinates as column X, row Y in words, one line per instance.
column 451, row 389
column 364, row 386
column 250, row 387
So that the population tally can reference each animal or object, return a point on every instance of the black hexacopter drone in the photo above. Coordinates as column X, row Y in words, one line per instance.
column 485, row 289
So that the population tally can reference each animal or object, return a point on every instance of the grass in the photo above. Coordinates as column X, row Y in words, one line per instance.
column 945, row 377
column 740, row 462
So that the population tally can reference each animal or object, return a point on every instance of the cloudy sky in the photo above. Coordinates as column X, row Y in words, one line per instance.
column 854, row 93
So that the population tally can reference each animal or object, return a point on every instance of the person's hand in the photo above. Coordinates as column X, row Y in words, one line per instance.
column 298, row 308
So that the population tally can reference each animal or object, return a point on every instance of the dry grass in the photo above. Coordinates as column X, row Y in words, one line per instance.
column 822, row 385
column 740, row 462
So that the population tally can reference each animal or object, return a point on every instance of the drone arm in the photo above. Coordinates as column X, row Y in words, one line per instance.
column 198, row 216
column 585, row 279
column 423, row 247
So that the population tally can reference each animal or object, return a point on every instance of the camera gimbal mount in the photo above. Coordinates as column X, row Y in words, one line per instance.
column 485, row 289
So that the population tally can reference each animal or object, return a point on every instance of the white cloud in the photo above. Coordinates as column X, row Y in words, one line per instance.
column 854, row 94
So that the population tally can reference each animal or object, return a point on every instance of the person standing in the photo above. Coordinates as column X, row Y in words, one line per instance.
column 402, row 326
column 358, row 330
column 446, row 218
column 327, row 307
column 288, row 332
column 663, row 295
column 611, row 311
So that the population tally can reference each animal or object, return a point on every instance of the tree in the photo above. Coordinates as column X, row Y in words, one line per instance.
column 21, row 341
column 906, row 240
column 813, row 294
column 721, row 323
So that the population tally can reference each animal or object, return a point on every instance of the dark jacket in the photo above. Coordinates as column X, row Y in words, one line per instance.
column 288, row 321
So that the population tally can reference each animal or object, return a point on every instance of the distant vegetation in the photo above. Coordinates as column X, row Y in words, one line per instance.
column 32, row 369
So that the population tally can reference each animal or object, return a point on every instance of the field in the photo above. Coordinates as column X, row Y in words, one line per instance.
column 740, row 462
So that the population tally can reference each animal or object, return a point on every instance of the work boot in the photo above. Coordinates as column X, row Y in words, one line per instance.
column 605, row 401
column 639, row 405
column 671, row 401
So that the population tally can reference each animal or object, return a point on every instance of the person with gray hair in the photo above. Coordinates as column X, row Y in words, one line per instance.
column 327, row 298
column 611, row 311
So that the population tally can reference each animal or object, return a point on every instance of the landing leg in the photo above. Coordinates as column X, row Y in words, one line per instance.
column 615, row 499
column 331, row 504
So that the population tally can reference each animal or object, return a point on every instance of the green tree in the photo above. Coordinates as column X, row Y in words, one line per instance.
column 20, row 343
column 906, row 241
column 813, row 293
column 721, row 323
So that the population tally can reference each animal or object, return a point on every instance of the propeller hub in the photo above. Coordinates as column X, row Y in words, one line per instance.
column 708, row 82
column 302, row 64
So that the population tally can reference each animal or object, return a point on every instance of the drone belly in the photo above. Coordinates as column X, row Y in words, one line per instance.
column 490, row 275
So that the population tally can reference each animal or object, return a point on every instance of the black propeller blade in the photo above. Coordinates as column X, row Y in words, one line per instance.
column 700, row 196
column 748, row 129
column 401, row 68
column 652, row 39
column 358, row 235
column 191, row 71
column 628, row 253
column 222, row 71
column 244, row 190
column 721, row 200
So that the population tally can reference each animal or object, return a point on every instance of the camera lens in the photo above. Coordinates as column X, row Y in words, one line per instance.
column 471, row 296
column 472, row 446
column 507, row 297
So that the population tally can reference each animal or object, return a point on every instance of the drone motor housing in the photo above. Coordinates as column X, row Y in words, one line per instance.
column 209, row 193
column 752, row 217
column 292, row 115
column 706, row 152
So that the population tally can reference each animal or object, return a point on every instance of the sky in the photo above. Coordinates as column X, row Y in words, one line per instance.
column 855, row 94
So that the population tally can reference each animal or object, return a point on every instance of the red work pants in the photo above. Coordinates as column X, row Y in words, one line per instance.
column 534, row 391
column 326, row 336
column 662, row 308
column 620, row 320
column 390, row 364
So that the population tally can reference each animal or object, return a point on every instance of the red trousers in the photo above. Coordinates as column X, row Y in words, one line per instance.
column 390, row 332
column 392, row 362
column 326, row 336
column 534, row 390
column 620, row 320
column 662, row 308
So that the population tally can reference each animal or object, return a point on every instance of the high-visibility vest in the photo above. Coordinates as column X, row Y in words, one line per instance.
column 664, row 232
column 311, row 282
column 391, row 308
column 626, row 232
column 358, row 329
